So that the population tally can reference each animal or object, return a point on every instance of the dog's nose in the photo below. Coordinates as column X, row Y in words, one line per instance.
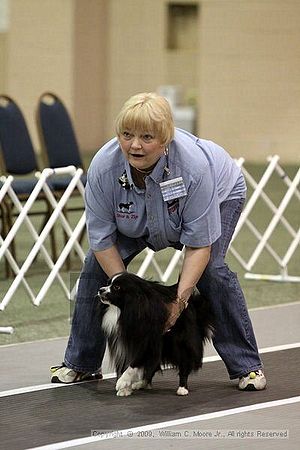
column 102, row 292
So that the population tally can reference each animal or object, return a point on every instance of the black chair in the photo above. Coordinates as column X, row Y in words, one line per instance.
column 57, row 136
column 59, row 144
column 18, row 159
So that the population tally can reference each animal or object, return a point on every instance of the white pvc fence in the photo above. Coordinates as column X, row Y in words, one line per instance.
column 263, row 238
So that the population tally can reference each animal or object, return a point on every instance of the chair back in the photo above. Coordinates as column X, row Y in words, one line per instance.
column 57, row 133
column 18, row 154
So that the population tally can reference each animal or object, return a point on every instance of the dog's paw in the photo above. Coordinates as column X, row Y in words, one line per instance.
column 123, row 383
column 139, row 385
column 129, row 377
column 182, row 391
column 124, row 392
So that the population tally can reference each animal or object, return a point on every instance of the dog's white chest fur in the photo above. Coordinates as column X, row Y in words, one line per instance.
column 110, row 320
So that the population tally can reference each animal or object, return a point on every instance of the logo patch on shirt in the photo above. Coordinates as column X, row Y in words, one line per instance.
column 173, row 206
column 123, row 180
column 126, row 211
column 125, row 207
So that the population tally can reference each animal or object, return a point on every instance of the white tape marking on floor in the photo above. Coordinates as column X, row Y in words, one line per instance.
column 107, row 376
column 276, row 348
column 43, row 387
column 171, row 423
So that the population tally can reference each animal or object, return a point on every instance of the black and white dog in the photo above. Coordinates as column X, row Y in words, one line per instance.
column 134, row 324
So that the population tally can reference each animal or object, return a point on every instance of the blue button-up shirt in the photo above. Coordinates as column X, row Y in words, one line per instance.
column 118, row 212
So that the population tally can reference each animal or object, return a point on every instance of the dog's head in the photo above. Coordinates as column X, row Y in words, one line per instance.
column 129, row 289
column 141, row 303
column 121, row 286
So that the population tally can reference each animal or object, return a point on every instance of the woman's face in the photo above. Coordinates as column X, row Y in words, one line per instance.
column 142, row 150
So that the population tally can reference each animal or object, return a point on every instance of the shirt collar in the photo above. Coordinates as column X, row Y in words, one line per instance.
column 157, row 173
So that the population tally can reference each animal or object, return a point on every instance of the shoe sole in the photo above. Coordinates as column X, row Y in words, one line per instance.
column 98, row 376
column 252, row 388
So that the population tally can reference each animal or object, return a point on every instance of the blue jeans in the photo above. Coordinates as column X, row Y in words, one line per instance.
column 234, row 338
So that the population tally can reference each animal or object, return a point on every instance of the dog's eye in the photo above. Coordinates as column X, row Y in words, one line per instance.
column 116, row 287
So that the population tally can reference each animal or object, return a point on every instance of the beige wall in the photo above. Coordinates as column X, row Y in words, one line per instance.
column 138, row 56
column 90, row 72
column 245, row 69
column 249, row 79
column 135, row 57
column 40, row 53
column 3, row 61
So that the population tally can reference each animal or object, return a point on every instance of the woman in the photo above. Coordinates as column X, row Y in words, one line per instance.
column 154, row 186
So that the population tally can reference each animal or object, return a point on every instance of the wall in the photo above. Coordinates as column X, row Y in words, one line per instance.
column 249, row 79
column 244, row 69
column 138, row 57
column 3, row 61
column 90, row 72
column 135, row 56
column 40, row 53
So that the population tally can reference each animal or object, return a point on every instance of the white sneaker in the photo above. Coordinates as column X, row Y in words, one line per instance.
column 253, row 381
column 62, row 374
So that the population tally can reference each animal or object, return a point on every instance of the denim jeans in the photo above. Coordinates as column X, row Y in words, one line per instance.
column 233, row 339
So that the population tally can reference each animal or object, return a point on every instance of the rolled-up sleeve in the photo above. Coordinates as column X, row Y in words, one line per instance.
column 100, row 219
column 201, row 224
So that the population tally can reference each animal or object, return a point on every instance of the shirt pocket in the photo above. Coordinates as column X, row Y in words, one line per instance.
column 175, row 220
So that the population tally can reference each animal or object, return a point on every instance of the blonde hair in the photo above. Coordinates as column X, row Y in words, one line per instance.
column 147, row 112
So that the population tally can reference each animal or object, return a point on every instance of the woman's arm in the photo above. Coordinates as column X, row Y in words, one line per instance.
column 194, row 263
column 110, row 260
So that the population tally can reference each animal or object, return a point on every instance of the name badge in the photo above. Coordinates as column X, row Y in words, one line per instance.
column 172, row 189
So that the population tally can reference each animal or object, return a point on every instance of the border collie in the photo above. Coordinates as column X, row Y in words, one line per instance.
column 134, row 324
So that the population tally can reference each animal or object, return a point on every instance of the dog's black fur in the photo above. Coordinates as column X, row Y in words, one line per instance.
column 134, row 323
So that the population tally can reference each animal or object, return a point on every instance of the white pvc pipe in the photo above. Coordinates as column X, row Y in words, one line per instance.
column 64, row 222
column 68, row 247
column 147, row 260
column 280, row 278
column 32, row 254
column 274, row 221
column 172, row 265
column 6, row 330
column 35, row 235
column 253, row 199
column 6, row 183
column 291, row 250
column 285, row 178
column 36, row 190
column 16, row 269
column 271, row 205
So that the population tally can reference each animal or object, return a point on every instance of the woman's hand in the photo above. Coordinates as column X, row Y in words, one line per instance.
column 194, row 263
column 175, row 309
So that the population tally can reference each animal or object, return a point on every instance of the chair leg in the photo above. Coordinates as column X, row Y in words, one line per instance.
column 6, row 211
column 4, row 234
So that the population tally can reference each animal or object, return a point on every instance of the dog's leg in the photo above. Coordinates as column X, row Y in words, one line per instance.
column 124, row 392
column 143, row 384
column 129, row 377
column 183, row 378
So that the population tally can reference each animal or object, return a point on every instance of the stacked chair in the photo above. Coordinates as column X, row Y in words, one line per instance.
column 18, row 159
column 57, row 136
column 59, row 144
